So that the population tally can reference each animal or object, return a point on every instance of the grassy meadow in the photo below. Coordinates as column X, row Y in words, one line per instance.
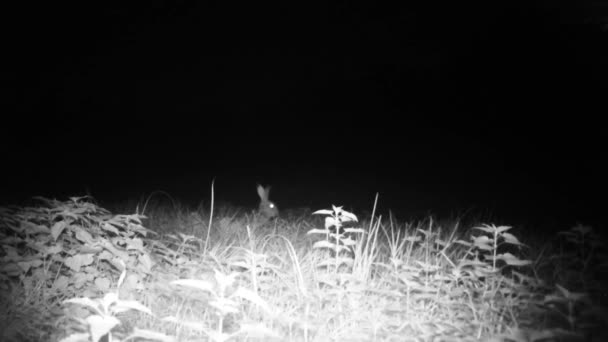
column 72, row 270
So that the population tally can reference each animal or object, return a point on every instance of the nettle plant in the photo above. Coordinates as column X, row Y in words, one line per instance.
column 338, row 238
column 228, row 301
column 104, row 316
column 64, row 248
column 485, row 248
column 487, row 264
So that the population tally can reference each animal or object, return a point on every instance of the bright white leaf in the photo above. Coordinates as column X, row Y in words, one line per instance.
column 354, row 230
column 318, row 231
column 349, row 216
column 330, row 222
column 502, row 229
column 99, row 326
column 125, row 305
column 511, row 239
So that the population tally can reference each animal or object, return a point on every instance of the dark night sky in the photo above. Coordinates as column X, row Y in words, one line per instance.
column 438, row 106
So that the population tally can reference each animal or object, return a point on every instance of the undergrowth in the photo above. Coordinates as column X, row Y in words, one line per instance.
column 73, row 271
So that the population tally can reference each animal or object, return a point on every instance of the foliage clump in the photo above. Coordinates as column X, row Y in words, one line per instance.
column 72, row 271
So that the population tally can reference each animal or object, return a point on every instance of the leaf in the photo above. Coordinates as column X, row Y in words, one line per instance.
column 136, row 244
column 105, row 255
column 83, row 236
column 319, row 231
column 110, row 228
column 103, row 284
column 132, row 283
column 511, row 239
column 124, row 255
column 99, row 326
column 61, row 283
column 31, row 228
column 126, row 305
column 74, row 263
column 57, row 229
column 331, row 246
column 79, row 279
column 464, row 243
column 77, row 261
column 323, row 244
column 108, row 300
column 354, row 230
column 348, row 217
column 483, row 242
column 86, row 259
column 512, row 260
column 55, row 249
column 501, row 229
column 330, row 222
column 348, row 242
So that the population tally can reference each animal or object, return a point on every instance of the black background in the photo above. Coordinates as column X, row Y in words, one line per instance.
column 438, row 106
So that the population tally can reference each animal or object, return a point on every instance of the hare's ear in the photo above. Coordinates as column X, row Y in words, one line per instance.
column 262, row 193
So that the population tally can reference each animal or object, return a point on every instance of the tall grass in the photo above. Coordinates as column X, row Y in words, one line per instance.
column 73, row 271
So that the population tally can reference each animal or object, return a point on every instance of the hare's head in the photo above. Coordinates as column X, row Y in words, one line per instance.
column 267, row 209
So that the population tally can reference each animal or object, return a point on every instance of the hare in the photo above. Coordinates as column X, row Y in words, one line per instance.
column 267, row 209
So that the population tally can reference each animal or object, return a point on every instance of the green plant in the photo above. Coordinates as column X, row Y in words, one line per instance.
column 104, row 317
column 72, row 246
column 337, row 237
column 225, row 301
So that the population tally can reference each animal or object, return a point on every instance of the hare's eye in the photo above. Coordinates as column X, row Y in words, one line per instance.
column 271, row 205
